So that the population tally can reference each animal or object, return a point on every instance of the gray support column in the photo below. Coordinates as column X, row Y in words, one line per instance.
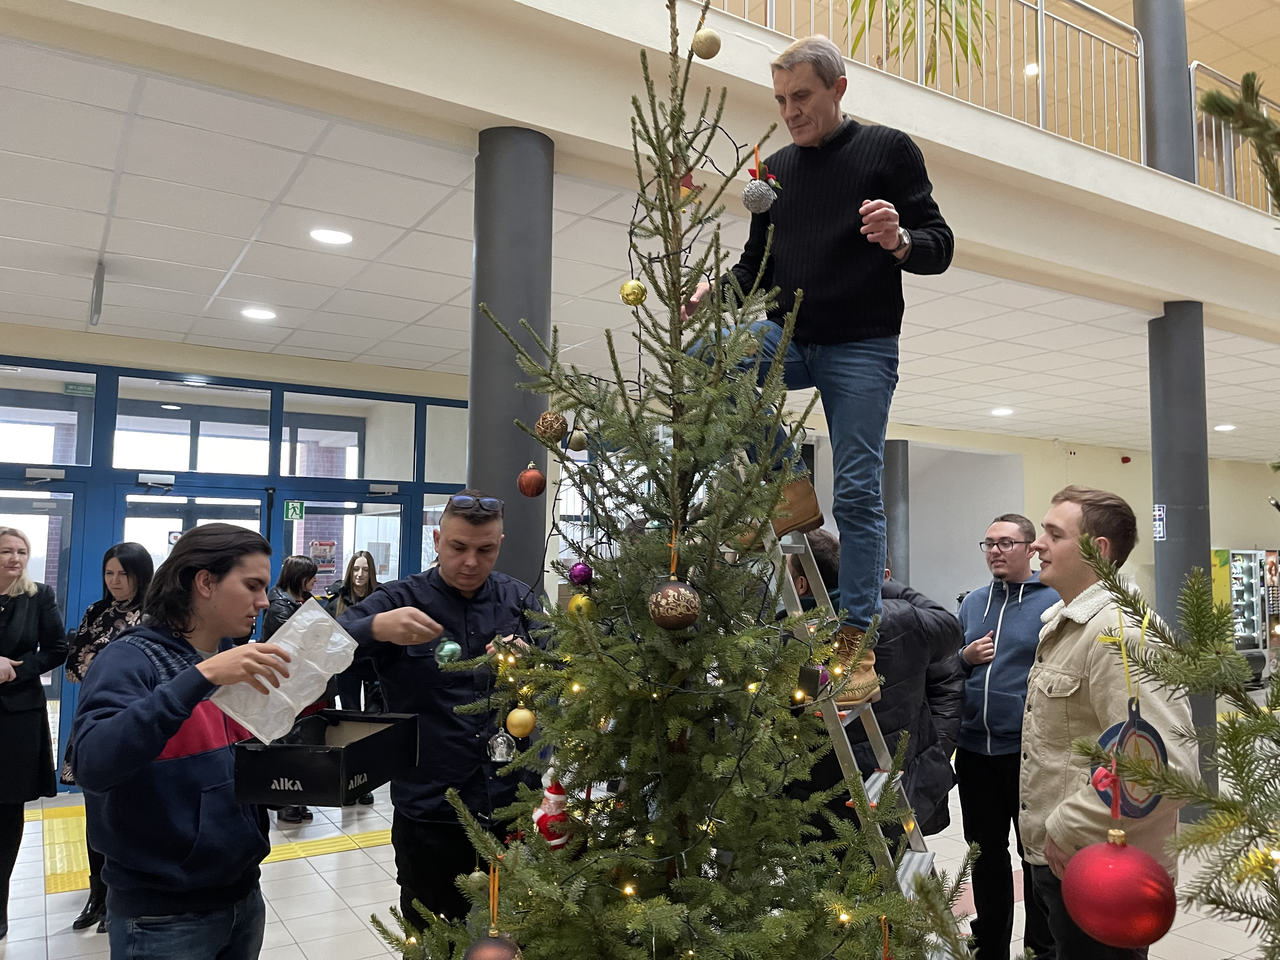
column 1169, row 125
column 512, row 277
column 896, row 487
column 1180, row 466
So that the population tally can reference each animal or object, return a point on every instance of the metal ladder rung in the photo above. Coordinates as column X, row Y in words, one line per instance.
column 915, row 863
column 875, row 784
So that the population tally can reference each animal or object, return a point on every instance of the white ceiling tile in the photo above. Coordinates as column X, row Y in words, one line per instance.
column 228, row 344
column 170, row 151
column 167, row 276
column 417, row 352
column 53, row 323
column 358, row 303
column 315, row 353
column 622, row 208
column 952, row 312
column 450, row 315
column 429, row 251
column 44, row 127
column 436, row 337
column 39, row 221
column 911, row 370
column 242, row 117
column 955, row 280
column 1015, row 295
column 57, row 74
column 67, row 309
column 1080, row 309
column 193, row 208
column 412, row 158
column 575, row 278
column 146, row 319
column 237, row 329
column 945, row 341
column 54, row 182
column 994, row 352
column 593, row 241
column 47, row 257
column 455, row 217
column 159, row 242
column 580, row 196
column 227, row 310
column 1017, row 325
column 400, row 281
column 119, row 294
column 291, row 226
column 350, row 346
column 396, row 360
column 137, row 333
column 275, row 292
column 342, row 323
column 364, row 193
column 292, row 263
column 43, row 284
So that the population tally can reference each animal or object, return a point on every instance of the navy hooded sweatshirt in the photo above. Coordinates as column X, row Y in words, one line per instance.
column 995, row 692
column 155, row 759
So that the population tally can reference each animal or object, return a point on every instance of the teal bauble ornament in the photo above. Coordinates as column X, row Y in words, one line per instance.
column 448, row 652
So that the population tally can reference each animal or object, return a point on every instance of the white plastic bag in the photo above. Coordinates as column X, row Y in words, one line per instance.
column 319, row 648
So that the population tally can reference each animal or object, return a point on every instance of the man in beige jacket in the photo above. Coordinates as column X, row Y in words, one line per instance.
column 1076, row 690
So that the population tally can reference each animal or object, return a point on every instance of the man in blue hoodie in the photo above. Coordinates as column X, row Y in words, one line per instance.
column 155, row 756
column 1001, row 623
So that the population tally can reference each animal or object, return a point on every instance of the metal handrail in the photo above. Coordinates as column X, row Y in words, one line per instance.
column 1224, row 156
column 1089, row 67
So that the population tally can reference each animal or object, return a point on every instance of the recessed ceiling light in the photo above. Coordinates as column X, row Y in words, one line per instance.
column 170, row 406
column 1002, row 412
column 336, row 237
column 258, row 313
column 1225, row 427
column 1032, row 69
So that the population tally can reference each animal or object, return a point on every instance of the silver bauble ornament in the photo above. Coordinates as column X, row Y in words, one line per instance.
column 757, row 196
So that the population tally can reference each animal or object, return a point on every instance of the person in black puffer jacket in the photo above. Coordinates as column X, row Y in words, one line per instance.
column 917, row 654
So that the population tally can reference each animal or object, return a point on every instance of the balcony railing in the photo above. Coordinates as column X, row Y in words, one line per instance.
column 1225, row 162
column 1061, row 65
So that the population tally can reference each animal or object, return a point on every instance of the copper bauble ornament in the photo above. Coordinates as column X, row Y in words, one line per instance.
column 577, row 440
column 674, row 605
column 520, row 722
column 633, row 293
column 581, row 605
column 531, row 481
column 1118, row 894
column 706, row 43
column 551, row 427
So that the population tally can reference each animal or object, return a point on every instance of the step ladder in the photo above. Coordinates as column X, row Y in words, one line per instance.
column 917, row 859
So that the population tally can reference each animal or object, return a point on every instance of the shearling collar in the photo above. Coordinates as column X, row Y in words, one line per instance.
column 1080, row 610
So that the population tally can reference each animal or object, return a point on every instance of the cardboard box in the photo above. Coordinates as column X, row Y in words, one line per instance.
column 328, row 759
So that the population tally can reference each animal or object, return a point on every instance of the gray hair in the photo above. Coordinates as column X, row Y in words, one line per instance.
column 825, row 56
column 24, row 583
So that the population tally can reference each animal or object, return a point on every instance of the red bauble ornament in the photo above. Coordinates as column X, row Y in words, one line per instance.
column 1118, row 894
column 531, row 481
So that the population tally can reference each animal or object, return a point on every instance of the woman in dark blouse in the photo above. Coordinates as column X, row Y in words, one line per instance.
column 31, row 643
column 126, row 574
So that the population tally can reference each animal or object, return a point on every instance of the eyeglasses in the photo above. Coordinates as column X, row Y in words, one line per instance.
column 465, row 501
column 1004, row 545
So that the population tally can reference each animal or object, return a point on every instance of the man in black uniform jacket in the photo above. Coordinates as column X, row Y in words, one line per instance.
column 847, row 253
column 403, row 625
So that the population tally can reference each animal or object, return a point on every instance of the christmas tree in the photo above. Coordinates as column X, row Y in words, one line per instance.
column 666, row 696
column 1235, row 843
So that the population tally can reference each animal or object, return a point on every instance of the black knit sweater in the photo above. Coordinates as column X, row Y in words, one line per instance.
column 852, row 288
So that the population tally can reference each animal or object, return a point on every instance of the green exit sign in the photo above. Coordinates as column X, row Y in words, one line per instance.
column 78, row 389
column 293, row 509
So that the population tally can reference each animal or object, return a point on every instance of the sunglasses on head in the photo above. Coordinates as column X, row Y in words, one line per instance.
column 465, row 501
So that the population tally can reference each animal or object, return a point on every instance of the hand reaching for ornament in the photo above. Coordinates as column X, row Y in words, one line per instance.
column 691, row 305
column 7, row 671
column 510, row 640
column 405, row 627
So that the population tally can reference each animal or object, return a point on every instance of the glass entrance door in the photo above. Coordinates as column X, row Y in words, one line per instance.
column 157, row 522
column 330, row 531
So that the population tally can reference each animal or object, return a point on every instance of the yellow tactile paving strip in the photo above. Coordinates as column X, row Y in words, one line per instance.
column 66, row 867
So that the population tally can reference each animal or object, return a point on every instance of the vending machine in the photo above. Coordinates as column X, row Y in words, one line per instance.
column 1247, row 581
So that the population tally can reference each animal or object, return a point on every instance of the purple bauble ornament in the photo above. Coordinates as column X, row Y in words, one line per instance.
column 580, row 574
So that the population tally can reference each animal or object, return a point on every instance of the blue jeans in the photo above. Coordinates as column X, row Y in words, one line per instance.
column 232, row 933
column 857, row 381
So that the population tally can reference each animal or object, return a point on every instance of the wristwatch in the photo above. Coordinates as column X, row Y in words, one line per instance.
column 904, row 240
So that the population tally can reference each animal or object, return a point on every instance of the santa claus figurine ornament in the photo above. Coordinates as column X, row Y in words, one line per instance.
column 549, row 816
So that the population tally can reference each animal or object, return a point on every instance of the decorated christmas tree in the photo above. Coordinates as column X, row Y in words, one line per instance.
column 666, row 695
column 1234, row 845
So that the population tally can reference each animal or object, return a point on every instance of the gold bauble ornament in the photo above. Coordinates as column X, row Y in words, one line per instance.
column 520, row 722
column 674, row 605
column 577, row 440
column 551, row 426
column 706, row 43
column 633, row 292
column 582, row 605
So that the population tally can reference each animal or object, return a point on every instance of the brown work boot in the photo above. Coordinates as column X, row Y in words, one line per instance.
column 798, row 509
column 855, row 667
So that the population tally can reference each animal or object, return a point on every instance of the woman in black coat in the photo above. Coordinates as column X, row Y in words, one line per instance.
column 127, row 569
column 31, row 643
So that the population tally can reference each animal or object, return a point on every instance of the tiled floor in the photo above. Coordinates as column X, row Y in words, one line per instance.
column 318, row 907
